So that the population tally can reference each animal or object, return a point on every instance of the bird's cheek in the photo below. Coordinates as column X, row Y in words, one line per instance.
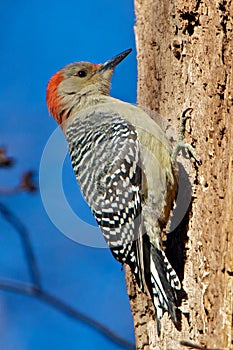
column 69, row 86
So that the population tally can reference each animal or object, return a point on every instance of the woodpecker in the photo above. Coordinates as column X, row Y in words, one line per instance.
column 124, row 166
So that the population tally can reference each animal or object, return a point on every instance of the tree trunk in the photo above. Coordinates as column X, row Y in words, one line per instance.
column 185, row 52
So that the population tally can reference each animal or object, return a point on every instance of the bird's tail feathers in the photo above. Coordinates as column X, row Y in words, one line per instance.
column 171, row 273
column 161, row 282
column 151, row 267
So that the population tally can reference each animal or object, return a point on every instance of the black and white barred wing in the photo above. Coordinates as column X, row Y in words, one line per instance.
column 105, row 156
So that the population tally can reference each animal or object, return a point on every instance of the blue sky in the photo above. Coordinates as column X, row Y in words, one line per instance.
column 37, row 39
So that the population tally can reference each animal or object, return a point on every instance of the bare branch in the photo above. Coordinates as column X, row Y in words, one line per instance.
column 27, row 184
column 11, row 218
column 58, row 304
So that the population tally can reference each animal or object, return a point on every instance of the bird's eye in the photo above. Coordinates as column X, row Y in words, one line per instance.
column 82, row 73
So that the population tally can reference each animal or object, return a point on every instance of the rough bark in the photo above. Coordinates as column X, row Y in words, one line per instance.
column 185, row 52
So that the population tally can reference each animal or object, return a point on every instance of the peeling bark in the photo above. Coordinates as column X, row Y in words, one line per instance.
column 185, row 60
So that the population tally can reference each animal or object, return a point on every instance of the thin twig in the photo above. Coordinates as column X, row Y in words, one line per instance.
column 12, row 219
column 58, row 304
column 195, row 346
column 10, row 190
column 27, row 184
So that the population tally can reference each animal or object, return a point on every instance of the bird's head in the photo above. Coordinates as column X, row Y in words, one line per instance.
column 74, row 83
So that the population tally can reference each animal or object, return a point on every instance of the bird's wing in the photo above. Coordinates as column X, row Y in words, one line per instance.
column 105, row 155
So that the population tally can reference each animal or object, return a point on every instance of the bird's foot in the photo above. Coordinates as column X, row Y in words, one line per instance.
column 181, row 145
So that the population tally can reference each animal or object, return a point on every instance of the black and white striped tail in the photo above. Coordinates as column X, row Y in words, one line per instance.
column 161, row 280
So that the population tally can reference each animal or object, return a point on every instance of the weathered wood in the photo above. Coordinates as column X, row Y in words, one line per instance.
column 185, row 51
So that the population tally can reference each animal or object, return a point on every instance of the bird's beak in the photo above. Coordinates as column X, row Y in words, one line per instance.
column 113, row 62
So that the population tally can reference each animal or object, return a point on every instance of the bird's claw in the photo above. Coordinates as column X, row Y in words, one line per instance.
column 181, row 145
